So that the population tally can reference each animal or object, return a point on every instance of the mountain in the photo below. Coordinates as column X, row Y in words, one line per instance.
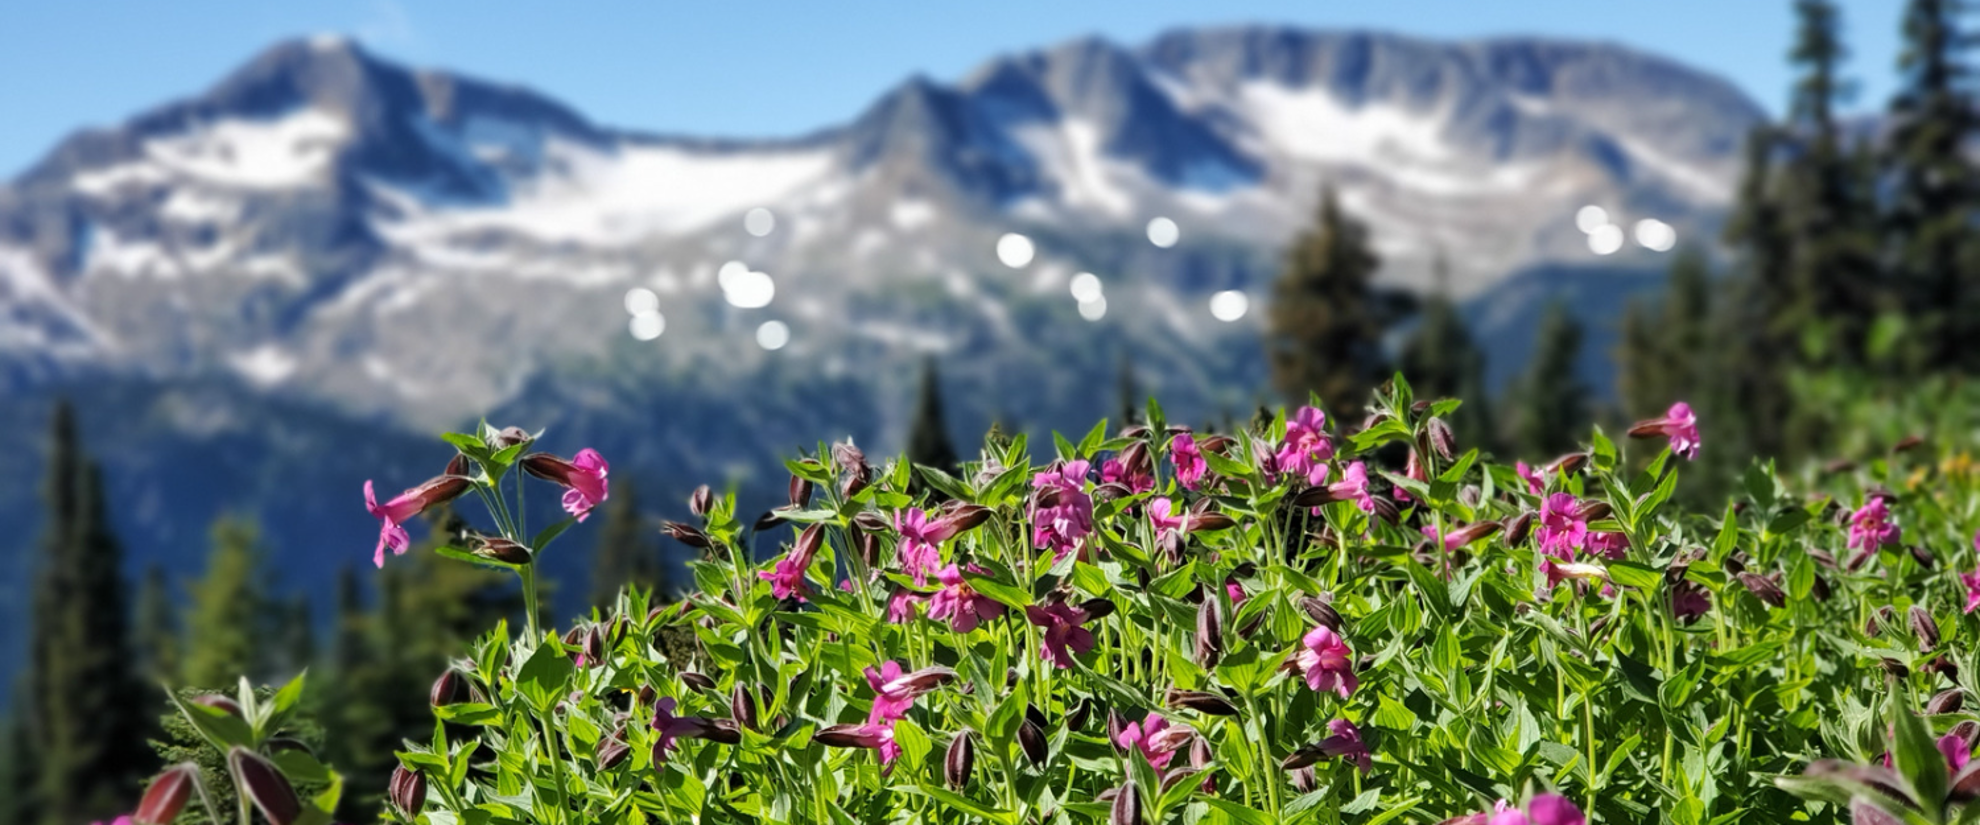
column 266, row 293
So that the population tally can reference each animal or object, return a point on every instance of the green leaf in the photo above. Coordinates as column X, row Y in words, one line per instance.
column 543, row 678
column 221, row 729
column 947, row 484
column 1094, row 438
column 1226, row 466
column 1238, row 813
column 1917, row 757
column 458, row 554
column 1010, row 595
column 549, row 534
column 960, row 803
column 1631, row 574
column 289, row 695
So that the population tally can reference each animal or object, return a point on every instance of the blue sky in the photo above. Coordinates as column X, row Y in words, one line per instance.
column 779, row 67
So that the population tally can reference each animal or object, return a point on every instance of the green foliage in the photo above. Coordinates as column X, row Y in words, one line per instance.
column 628, row 552
column 1442, row 360
column 85, row 710
column 1549, row 404
column 181, row 741
column 1933, row 185
column 157, row 628
column 1326, row 320
column 226, row 621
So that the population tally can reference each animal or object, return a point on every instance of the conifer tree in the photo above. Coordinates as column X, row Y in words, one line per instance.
column 1325, row 326
column 1664, row 353
column 17, row 776
column 226, row 627
column 1932, row 184
column 1442, row 361
column 928, row 442
column 1549, row 405
column 157, row 628
column 628, row 551
column 1130, row 393
column 87, row 711
column 1754, row 324
column 1827, row 207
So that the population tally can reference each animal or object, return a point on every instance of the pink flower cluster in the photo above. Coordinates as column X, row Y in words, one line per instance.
column 1062, row 512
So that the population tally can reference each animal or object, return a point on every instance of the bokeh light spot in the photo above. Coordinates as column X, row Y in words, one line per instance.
column 1606, row 239
column 1591, row 218
column 773, row 335
column 1229, row 305
column 1086, row 287
column 1163, row 232
column 1015, row 250
column 648, row 325
column 759, row 222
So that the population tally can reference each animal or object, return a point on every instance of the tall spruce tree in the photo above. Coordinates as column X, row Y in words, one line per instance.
column 628, row 551
column 227, row 627
column 928, row 442
column 1549, row 405
column 1326, row 322
column 1754, row 323
column 1130, row 392
column 1442, row 361
column 1827, row 204
column 17, row 775
column 87, row 711
column 1665, row 353
column 157, row 631
column 1932, row 185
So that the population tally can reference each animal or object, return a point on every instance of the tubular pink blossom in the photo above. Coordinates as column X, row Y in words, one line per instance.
column 1678, row 424
column 1062, row 512
column 1972, row 582
column 1064, row 637
column 1188, row 460
column 921, row 539
column 392, row 515
column 1535, row 482
column 1870, row 526
column 1159, row 512
column 1148, row 736
column 1116, row 471
column 1307, row 449
column 1324, row 661
column 1563, row 526
column 894, row 691
column 1346, row 743
column 583, row 478
column 902, row 607
column 961, row 605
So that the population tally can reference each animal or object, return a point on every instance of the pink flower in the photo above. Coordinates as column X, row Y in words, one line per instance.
column 959, row 603
column 672, row 727
column 1609, row 545
column 1870, row 526
column 921, row 539
column 1324, row 660
column 1553, row 809
column 1563, row 526
column 902, row 607
column 1972, row 582
column 1353, row 486
column 1412, row 470
column 1956, row 750
column 583, row 478
column 1346, row 743
column 122, row 820
column 1190, row 466
column 894, row 692
column 1158, row 512
column 1064, row 637
column 1307, row 448
column 1236, row 592
column 1678, row 424
column 1114, row 471
column 1535, row 482
column 392, row 515
column 1062, row 512
column 1155, row 739
column 1689, row 601
column 786, row 580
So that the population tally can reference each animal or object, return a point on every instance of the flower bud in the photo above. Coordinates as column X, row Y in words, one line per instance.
column 1949, row 700
column 1965, row 785
column 1077, row 716
column 1135, row 431
column 806, row 547
column 1820, row 589
column 690, row 536
column 167, row 795
column 1564, row 465
column 456, row 466
column 1968, row 731
column 698, row 681
column 1518, row 528
column 1441, row 438
column 702, row 501
column 768, row 521
column 1031, row 738
column 508, row 437
column 1127, row 806
column 1763, row 588
column 613, row 751
column 1907, row 443
column 1894, row 668
column 742, row 706
column 265, row 786
column 1923, row 555
column 1116, row 725
column 1322, row 613
column 1941, row 665
column 959, row 761
column 1883, row 618
column 872, row 522
column 963, row 518
column 798, row 493
column 447, row 689
column 1201, row 702
column 723, row 731
column 847, row 736
column 218, row 702
column 408, row 790
column 1924, row 627
column 1036, row 717
column 1305, row 780
column 1097, row 608
column 1209, row 632
column 500, row 549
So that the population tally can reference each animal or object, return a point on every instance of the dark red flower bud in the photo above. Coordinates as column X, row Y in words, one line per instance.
column 167, row 795
column 1081, row 711
column 1924, row 627
column 687, row 535
column 1883, row 618
column 1386, row 509
column 1036, row 717
column 456, row 466
column 1820, row 589
column 1923, row 555
column 1762, row 588
column 549, row 467
column 1949, row 700
column 723, row 731
column 447, row 690
column 1518, row 528
column 768, row 521
column 702, row 501
column 1565, row 465
column 847, row 736
column 799, row 493
column 742, row 706
column 499, row 549
column 1322, row 612
column 1840, row 465
column 1136, row 431
column 1441, row 438
column 1201, row 702
column 698, row 681
column 1907, row 443
column 1895, row 668
column 508, row 437
column 1941, row 665
column 265, row 786
column 1097, row 608
column 1031, row 738
column 613, row 751
column 1968, row 731
column 1305, row 780
column 218, row 702
column 1209, row 632
column 1596, row 510
column 408, row 790
column 963, row 518
column 1965, row 785
column 960, row 761
column 1127, row 806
